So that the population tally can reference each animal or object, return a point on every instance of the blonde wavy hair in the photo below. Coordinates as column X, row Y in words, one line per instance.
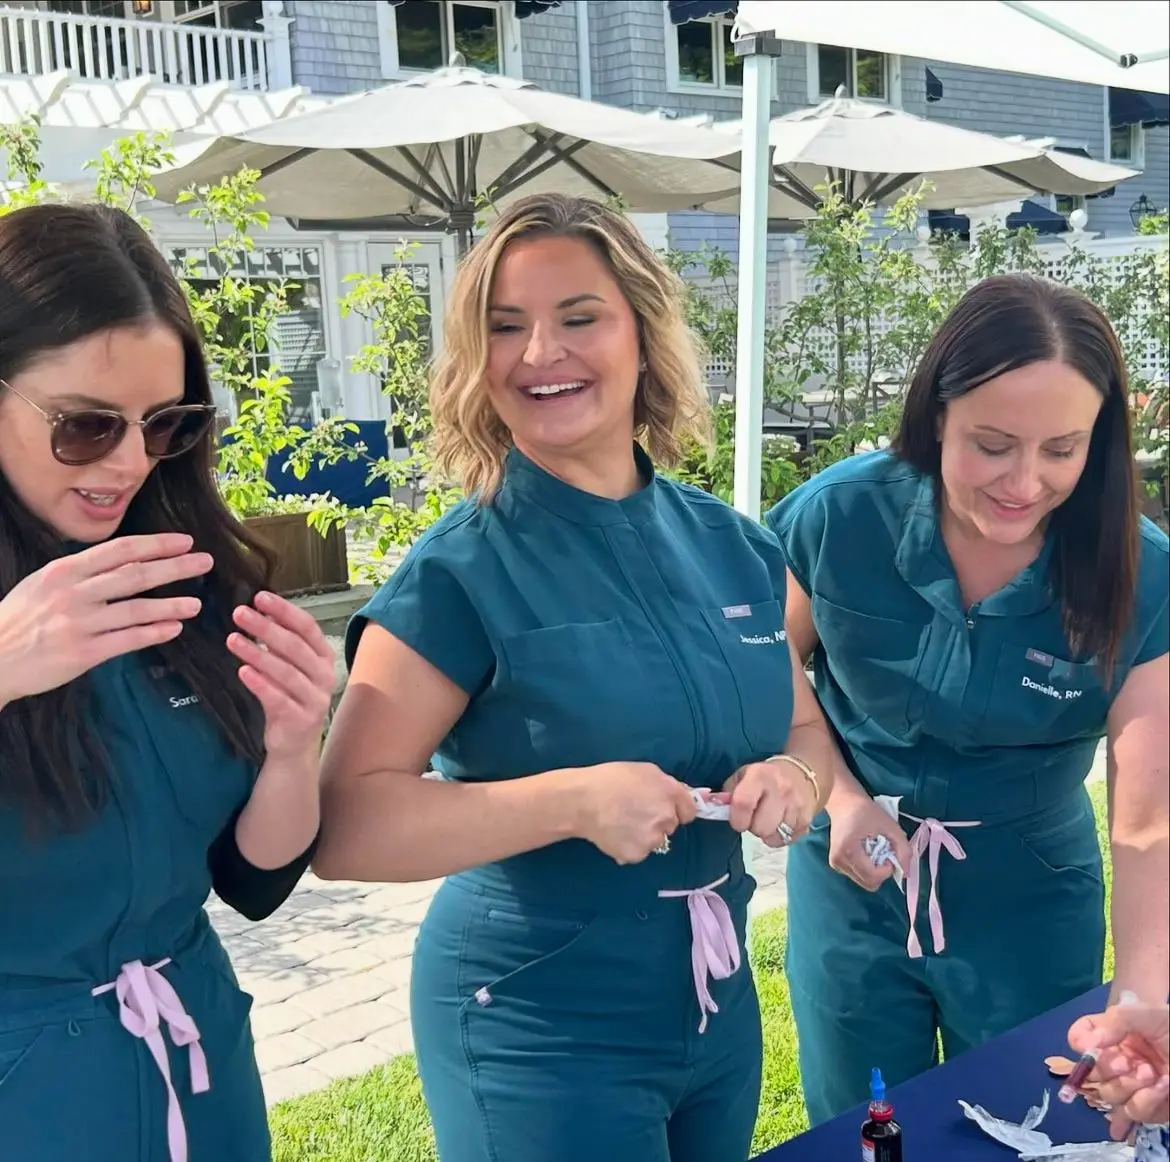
column 671, row 407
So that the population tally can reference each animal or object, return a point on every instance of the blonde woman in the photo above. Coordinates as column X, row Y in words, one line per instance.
column 580, row 645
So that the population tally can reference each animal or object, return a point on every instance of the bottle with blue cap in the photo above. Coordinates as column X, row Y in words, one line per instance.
column 881, row 1136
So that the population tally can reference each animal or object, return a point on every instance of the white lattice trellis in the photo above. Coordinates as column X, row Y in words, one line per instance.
column 788, row 280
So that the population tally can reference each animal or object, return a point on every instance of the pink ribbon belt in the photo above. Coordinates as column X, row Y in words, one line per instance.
column 145, row 1000
column 929, row 840
column 714, row 947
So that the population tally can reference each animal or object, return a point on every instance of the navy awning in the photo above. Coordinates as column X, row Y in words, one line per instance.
column 683, row 10
column 934, row 87
column 1040, row 218
column 1129, row 107
column 523, row 7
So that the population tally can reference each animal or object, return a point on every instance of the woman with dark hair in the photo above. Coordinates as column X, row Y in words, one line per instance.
column 150, row 751
column 982, row 605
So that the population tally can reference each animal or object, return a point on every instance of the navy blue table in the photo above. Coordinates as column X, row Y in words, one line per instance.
column 1005, row 1077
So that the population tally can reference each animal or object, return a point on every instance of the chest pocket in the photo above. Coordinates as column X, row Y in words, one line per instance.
column 874, row 660
column 585, row 693
column 1029, row 703
column 754, row 646
column 206, row 780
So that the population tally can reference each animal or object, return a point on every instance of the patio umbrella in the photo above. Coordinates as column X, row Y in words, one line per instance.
column 1123, row 44
column 876, row 153
column 442, row 144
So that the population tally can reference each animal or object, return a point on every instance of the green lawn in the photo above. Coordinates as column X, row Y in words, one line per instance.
column 381, row 1117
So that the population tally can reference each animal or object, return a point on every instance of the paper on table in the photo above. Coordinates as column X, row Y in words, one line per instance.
column 1030, row 1144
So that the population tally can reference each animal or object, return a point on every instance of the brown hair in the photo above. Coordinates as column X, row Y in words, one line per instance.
column 671, row 406
column 67, row 272
column 1010, row 321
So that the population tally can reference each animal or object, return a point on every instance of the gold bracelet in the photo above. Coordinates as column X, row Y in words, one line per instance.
column 809, row 774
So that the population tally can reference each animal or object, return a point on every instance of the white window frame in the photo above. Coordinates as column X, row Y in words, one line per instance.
column 1137, row 147
column 675, row 83
column 507, row 25
column 168, row 13
column 893, row 76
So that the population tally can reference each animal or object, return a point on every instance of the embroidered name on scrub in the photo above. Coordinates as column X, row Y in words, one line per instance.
column 763, row 639
column 1061, row 695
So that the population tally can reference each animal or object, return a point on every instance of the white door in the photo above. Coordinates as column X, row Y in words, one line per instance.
column 424, row 264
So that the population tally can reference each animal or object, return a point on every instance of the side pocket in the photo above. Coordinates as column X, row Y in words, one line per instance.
column 15, row 1049
column 507, row 950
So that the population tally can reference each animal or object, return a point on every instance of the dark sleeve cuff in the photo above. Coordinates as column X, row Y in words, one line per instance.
column 252, row 891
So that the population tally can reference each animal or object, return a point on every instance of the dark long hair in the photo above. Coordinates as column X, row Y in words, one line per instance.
column 67, row 272
column 1010, row 321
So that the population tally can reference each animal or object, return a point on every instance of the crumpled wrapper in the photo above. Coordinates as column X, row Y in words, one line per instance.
column 1031, row 1145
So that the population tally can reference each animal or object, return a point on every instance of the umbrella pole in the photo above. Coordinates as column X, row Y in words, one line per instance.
column 757, row 53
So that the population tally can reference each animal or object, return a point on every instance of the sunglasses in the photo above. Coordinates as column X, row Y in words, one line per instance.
column 90, row 434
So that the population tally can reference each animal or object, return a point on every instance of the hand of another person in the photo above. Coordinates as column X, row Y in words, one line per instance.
column 1133, row 1070
column 82, row 610
column 763, row 796
column 853, row 820
column 630, row 810
column 289, row 667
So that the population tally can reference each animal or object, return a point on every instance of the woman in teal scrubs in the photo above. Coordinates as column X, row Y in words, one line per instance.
column 983, row 604
column 137, row 772
column 580, row 645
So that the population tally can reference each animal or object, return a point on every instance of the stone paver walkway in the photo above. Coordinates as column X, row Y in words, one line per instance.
column 330, row 972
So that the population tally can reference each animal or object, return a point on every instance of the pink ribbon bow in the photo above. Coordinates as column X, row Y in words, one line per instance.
column 145, row 1000
column 714, row 947
column 930, row 838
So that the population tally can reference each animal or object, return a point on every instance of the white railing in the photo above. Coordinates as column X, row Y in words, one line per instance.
column 35, row 42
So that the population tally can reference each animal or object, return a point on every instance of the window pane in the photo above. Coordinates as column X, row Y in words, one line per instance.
column 477, row 37
column 732, row 65
column 1121, row 143
column 871, row 75
column 833, row 69
column 696, row 55
column 420, row 34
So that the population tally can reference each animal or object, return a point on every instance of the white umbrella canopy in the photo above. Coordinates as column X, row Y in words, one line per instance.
column 1124, row 43
column 876, row 153
column 442, row 144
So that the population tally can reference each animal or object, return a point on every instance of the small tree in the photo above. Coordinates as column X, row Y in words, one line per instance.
column 398, row 358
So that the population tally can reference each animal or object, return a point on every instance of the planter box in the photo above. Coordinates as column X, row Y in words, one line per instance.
column 306, row 561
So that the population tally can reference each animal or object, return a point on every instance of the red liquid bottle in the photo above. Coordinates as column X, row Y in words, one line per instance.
column 881, row 1136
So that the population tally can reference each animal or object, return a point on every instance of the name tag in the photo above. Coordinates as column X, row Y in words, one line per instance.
column 1040, row 658
column 737, row 611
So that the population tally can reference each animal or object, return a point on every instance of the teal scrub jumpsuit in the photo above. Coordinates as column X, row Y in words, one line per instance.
column 555, row 1006
column 983, row 722
column 104, row 905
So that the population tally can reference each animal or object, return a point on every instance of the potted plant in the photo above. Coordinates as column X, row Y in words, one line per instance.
column 309, row 559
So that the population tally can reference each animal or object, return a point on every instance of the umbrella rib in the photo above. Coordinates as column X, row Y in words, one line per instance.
column 1007, row 177
column 883, row 185
column 436, row 151
column 473, row 162
column 509, row 177
column 285, row 162
column 421, row 170
column 388, row 171
column 577, row 167
column 556, row 156
column 793, row 185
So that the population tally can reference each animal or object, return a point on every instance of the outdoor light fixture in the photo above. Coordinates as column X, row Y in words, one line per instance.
column 1142, row 208
column 143, row 7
